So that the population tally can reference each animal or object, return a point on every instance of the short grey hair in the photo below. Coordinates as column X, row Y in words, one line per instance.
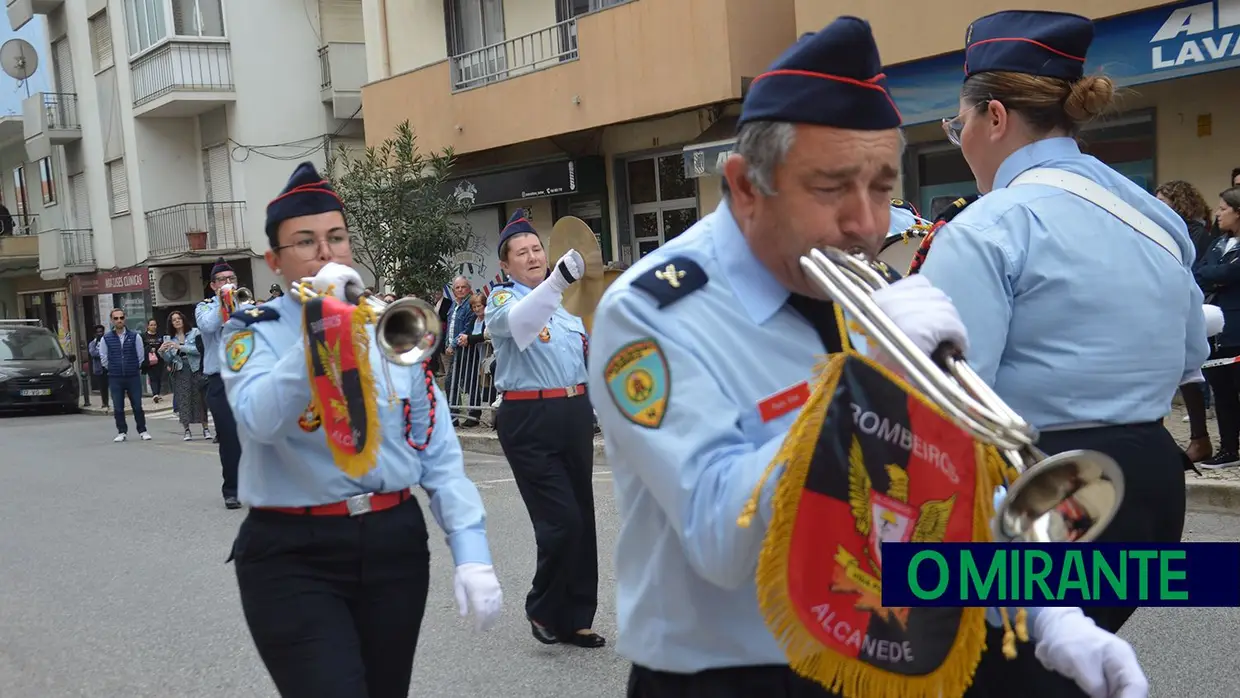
column 764, row 145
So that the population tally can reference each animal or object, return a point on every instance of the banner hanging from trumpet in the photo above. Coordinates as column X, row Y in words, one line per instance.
column 341, row 381
column 871, row 461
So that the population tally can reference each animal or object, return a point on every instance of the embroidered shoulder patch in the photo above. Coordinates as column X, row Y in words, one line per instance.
column 639, row 382
column 672, row 281
column 499, row 298
column 249, row 316
column 240, row 347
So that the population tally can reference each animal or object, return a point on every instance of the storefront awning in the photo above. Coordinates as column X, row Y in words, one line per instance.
column 704, row 157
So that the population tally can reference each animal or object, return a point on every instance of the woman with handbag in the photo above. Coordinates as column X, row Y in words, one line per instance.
column 184, row 360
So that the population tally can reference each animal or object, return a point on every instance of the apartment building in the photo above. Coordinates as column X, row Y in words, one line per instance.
column 169, row 126
column 621, row 112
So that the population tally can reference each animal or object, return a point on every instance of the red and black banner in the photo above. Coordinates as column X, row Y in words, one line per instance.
column 870, row 461
column 338, row 356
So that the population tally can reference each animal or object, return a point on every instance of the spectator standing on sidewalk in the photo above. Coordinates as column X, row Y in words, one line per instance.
column 1219, row 276
column 98, row 374
column 122, row 354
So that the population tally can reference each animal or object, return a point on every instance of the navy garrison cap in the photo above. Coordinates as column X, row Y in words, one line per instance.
column 829, row 78
column 516, row 225
column 221, row 265
column 1047, row 44
column 306, row 194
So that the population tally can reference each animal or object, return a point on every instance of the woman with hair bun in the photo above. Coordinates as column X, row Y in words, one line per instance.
column 1074, row 283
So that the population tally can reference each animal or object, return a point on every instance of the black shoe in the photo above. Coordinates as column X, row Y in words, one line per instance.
column 1225, row 459
column 542, row 634
column 232, row 503
column 587, row 640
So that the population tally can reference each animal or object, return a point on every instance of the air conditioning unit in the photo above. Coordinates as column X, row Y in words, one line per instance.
column 176, row 285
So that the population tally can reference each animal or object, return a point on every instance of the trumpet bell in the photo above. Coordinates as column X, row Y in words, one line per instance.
column 408, row 331
column 243, row 295
column 1068, row 497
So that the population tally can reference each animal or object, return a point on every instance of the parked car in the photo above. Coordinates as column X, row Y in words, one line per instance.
column 35, row 372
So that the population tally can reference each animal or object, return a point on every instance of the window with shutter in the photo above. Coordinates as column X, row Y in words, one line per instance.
column 217, row 173
column 64, row 67
column 119, row 185
column 341, row 20
column 101, row 41
column 81, row 202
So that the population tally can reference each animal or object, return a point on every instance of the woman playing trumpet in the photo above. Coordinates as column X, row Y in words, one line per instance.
column 332, row 561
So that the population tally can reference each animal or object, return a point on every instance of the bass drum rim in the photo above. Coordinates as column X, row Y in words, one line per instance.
column 902, row 262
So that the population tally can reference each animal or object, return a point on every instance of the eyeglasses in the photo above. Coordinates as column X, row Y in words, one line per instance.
column 953, row 128
column 117, row 317
column 230, row 279
column 306, row 248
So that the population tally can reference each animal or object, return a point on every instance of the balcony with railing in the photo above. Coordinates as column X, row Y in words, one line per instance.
column 22, row 11
column 21, row 242
column 198, row 227
column 342, row 72
column 182, row 78
column 64, row 251
column 538, row 50
column 624, row 62
column 48, row 119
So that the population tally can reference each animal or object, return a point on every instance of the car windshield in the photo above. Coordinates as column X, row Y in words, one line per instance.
column 29, row 346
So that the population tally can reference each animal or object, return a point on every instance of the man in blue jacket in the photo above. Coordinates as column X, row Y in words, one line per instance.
column 121, row 353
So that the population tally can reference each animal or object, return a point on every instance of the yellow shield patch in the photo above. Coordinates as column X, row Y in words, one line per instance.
column 239, row 349
column 501, row 297
column 639, row 382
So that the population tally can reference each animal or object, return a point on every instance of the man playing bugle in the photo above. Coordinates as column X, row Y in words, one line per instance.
column 704, row 354
column 332, row 561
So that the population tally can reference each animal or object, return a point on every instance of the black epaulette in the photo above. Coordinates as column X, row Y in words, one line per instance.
column 672, row 281
column 249, row 316
column 954, row 208
column 907, row 206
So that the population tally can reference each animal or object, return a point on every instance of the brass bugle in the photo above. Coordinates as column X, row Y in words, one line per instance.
column 408, row 330
column 1071, row 496
column 243, row 295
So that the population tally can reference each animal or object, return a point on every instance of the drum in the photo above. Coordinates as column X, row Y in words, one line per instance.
column 898, row 250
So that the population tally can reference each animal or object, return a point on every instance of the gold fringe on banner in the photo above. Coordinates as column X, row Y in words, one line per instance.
column 808, row 657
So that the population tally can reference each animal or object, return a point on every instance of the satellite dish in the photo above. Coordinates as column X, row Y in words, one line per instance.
column 18, row 59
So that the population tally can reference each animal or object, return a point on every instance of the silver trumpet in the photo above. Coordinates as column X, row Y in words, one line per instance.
column 1071, row 496
column 408, row 330
column 243, row 295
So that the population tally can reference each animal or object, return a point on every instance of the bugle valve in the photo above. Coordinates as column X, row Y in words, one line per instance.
column 1071, row 496
column 407, row 330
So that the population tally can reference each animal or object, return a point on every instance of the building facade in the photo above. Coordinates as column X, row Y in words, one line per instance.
column 621, row 112
column 169, row 125
column 31, row 199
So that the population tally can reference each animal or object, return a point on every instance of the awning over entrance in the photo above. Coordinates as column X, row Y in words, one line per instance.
column 704, row 157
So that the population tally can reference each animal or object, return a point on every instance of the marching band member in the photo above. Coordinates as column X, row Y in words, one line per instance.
column 903, row 216
column 703, row 354
column 332, row 561
column 546, row 428
column 210, row 315
column 1060, row 270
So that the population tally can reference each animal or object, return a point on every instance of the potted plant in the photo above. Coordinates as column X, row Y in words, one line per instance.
column 197, row 239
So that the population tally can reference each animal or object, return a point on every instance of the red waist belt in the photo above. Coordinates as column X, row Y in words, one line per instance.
column 571, row 391
column 353, row 506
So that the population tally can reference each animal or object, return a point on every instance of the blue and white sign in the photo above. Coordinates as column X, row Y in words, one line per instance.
column 1163, row 43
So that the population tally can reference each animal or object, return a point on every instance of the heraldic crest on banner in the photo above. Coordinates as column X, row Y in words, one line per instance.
column 871, row 461
column 341, row 381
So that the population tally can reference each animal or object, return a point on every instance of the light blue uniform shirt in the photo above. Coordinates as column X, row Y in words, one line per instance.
column 211, row 326
column 559, row 362
column 901, row 220
column 1073, row 317
column 685, row 572
column 284, row 466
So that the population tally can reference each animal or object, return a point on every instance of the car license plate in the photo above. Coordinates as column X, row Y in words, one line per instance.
column 36, row 392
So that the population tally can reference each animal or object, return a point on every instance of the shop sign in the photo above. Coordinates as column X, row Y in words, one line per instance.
column 1162, row 43
column 533, row 182
column 121, row 281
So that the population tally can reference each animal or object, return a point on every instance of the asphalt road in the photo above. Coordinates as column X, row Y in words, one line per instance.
column 113, row 583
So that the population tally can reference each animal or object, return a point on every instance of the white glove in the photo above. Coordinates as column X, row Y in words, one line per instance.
column 476, row 586
column 568, row 270
column 923, row 312
column 226, row 288
column 1103, row 665
column 1214, row 319
column 335, row 278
